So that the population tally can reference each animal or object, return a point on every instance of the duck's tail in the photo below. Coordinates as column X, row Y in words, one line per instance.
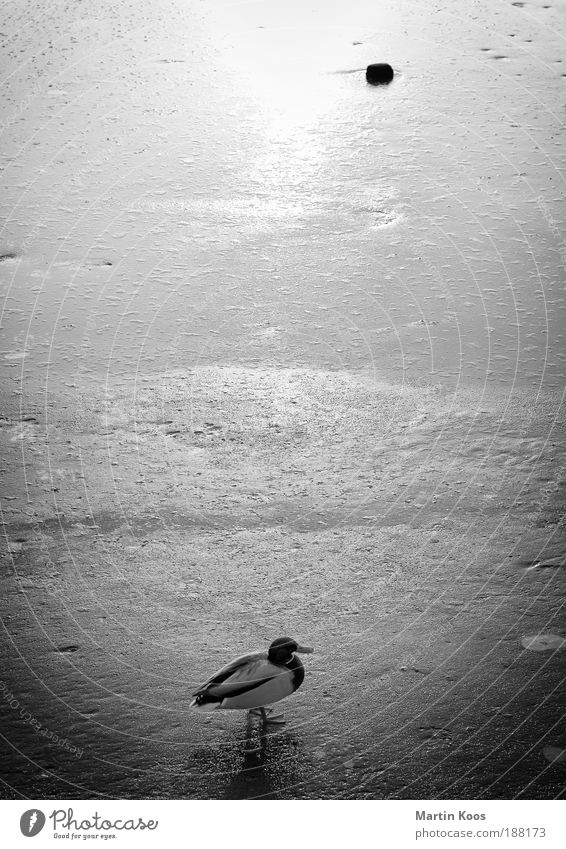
column 204, row 701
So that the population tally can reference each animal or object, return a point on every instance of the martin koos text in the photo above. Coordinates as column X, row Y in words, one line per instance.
column 449, row 815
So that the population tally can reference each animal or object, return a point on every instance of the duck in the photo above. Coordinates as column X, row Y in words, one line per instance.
column 254, row 681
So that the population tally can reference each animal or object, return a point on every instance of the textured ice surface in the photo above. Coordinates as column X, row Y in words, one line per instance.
column 283, row 354
column 196, row 183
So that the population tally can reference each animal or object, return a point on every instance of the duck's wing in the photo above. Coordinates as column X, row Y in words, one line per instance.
column 243, row 674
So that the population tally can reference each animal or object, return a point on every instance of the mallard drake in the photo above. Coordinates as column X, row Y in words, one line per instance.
column 255, row 680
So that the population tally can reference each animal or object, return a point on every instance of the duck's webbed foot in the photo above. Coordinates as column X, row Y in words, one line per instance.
column 271, row 718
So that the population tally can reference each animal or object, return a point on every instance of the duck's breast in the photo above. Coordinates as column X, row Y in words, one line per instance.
column 297, row 672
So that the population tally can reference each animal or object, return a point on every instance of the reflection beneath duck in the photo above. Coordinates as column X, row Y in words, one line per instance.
column 270, row 762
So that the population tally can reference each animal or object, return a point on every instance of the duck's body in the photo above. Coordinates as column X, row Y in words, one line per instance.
column 254, row 680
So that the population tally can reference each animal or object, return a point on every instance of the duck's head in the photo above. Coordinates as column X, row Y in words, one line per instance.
column 282, row 649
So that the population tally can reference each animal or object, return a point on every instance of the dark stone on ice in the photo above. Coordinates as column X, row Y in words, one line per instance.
column 379, row 74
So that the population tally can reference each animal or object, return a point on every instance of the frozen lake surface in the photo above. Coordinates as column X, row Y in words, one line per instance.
column 283, row 352
column 215, row 183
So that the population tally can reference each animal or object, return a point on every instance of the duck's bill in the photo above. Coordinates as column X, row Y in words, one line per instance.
column 305, row 649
